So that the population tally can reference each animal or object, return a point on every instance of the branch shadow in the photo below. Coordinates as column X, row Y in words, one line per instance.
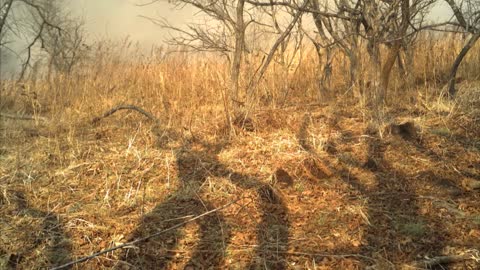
column 40, row 232
column 196, row 161
column 398, row 231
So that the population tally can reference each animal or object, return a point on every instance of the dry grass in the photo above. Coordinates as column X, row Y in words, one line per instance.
column 318, row 189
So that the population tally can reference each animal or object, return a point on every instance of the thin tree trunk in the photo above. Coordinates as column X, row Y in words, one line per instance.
column 387, row 68
column 354, row 76
column 231, row 101
column 321, row 91
column 401, row 64
column 395, row 50
column 237, row 57
column 453, row 72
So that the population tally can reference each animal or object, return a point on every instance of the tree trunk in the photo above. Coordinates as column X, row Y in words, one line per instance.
column 327, row 72
column 237, row 56
column 319, row 24
column 395, row 49
column 453, row 72
column 376, row 78
column 354, row 76
column 232, row 102
column 321, row 91
column 387, row 68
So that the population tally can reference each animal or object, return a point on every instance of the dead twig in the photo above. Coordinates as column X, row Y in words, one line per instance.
column 22, row 117
column 126, row 107
column 323, row 255
column 94, row 255
column 441, row 260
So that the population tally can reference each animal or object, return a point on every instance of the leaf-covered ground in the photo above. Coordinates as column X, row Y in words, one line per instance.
column 314, row 188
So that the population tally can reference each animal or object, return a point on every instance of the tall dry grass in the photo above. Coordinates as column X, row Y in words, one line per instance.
column 179, row 86
column 102, row 181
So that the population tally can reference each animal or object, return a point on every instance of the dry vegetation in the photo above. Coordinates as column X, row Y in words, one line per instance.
column 317, row 186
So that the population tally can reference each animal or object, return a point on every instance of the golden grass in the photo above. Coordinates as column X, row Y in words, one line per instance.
column 69, row 187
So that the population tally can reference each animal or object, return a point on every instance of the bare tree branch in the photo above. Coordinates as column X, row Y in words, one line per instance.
column 473, row 13
column 41, row 22
column 276, row 45
column 302, row 8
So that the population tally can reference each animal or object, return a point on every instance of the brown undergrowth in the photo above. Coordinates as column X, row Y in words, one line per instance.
column 317, row 188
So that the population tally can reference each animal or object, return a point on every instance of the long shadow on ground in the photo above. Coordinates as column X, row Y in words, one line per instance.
column 398, row 232
column 195, row 162
column 31, row 233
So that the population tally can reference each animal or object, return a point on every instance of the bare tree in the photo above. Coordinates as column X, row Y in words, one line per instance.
column 239, row 29
column 224, row 33
column 230, row 21
column 64, row 51
column 299, row 11
column 467, row 14
column 392, row 24
column 344, row 23
column 340, row 29
column 43, row 26
column 292, row 40
column 377, row 22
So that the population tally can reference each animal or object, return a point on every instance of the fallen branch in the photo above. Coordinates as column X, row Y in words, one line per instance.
column 22, row 117
column 324, row 255
column 84, row 259
column 126, row 107
column 436, row 261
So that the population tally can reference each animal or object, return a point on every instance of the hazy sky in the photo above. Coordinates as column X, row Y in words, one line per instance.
column 111, row 19
column 119, row 18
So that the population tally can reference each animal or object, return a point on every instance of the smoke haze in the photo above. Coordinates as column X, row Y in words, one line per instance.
column 117, row 19
column 121, row 18
column 109, row 19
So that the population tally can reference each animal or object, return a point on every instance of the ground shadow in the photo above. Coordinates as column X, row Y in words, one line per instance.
column 196, row 160
column 399, row 232
column 37, row 232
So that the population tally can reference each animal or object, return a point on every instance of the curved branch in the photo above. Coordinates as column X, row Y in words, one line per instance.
column 453, row 73
column 126, row 107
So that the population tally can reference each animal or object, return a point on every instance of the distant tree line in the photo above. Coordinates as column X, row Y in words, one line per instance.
column 388, row 27
column 45, row 27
